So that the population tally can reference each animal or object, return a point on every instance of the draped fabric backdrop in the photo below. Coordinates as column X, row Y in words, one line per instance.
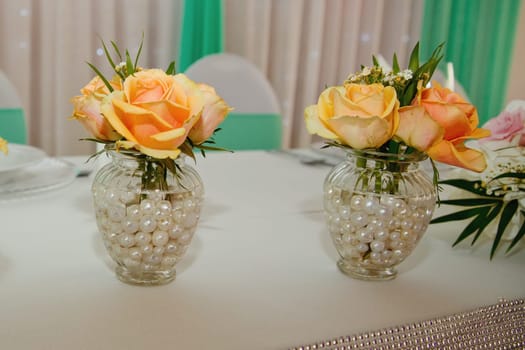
column 304, row 45
column 44, row 46
column 300, row 45
column 479, row 38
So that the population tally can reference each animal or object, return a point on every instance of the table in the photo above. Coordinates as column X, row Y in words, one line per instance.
column 260, row 273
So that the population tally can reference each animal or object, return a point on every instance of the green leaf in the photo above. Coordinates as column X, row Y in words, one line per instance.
column 171, row 68
column 413, row 64
column 470, row 186
column 106, row 82
column 488, row 219
column 187, row 149
column 395, row 65
column 471, row 201
column 506, row 216
column 375, row 61
column 519, row 235
column 476, row 224
column 139, row 51
column 129, row 65
column 115, row 47
column 512, row 175
column 460, row 215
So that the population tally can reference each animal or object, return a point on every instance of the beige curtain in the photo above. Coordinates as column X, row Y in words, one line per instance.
column 304, row 45
column 44, row 45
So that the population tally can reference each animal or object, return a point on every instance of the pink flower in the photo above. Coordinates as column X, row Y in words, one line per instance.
column 507, row 126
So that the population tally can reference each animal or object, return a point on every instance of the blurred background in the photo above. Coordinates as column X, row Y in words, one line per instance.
column 301, row 46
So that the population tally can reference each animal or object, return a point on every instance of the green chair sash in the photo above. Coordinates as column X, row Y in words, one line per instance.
column 13, row 125
column 251, row 131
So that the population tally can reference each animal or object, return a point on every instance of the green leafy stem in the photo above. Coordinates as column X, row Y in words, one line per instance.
column 483, row 209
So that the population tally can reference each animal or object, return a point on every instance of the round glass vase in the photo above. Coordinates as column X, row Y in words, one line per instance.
column 146, row 214
column 377, row 207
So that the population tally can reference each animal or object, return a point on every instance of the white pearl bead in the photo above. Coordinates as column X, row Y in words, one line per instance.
column 362, row 247
column 142, row 238
column 359, row 218
column 344, row 211
column 171, row 247
column 148, row 223
column 357, row 202
column 160, row 238
column 128, row 196
column 190, row 219
column 364, row 236
column 164, row 207
column 135, row 253
column 377, row 246
column 158, row 250
column 147, row 249
column 115, row 227
column 153, row 259
column 133, row 212
column 130, row 226
column 169, row 261
column 395, row 235
column 126, row 240
column 177, row 215
column 176, row 231
column 185, row 238
column 147, row 206
column 164, row 224
column 117, row 212
column 370, row 204
column 131, row 263
column 406, row 224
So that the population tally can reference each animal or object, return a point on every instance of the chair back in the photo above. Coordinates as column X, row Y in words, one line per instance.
column 255, row 122
column 12, row 119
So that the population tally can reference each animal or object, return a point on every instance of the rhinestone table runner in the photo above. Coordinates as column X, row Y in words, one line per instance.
column 497, row 326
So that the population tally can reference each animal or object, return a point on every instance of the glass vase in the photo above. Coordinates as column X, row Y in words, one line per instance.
column 146, row 214
column 377, row 206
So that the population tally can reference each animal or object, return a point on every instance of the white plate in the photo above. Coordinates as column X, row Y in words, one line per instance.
column 48, row 174
column 20, row 156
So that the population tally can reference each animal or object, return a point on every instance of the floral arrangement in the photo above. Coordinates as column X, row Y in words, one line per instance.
column 3, row 146
column 496, row 204
column 396, row 112
column 149, row 113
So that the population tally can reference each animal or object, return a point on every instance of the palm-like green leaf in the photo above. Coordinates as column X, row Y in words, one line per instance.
column 171, row 68
column 506, row 216
column 470, row 186
column 475, row 225
column 138, row 52
column 395, row 65
column 413, row 63
column 494, row 212
column 468, row 202
column 459, row 215
column 513, row 175
column 519, row 235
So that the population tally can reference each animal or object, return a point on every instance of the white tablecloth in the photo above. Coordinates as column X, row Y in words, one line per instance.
column 260, row 273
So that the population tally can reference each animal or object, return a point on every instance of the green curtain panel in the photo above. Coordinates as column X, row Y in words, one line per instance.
column 202, row 31
column 479, row 37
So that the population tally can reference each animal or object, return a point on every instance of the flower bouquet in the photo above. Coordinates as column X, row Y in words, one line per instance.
column 378, row 202
column 148, row 199
column 496, row 197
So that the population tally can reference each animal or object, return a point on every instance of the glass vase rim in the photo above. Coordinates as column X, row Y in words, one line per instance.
column 413, row 157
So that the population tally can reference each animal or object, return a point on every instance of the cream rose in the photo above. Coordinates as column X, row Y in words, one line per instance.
column 154, row 112
column 360, row 116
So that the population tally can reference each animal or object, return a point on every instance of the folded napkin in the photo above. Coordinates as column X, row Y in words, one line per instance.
column 497, row 326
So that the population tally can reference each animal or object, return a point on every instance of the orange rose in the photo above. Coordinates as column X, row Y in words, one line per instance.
column 154, row 112
column 360, row 116
column 86, row 109
column 215, row 110
column 459, row 119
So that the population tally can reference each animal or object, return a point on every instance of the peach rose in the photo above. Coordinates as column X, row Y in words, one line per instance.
column 417, row 129
column 86, row 109
column 154, row 112
column 360, row 116
column 459, row 119
column 215, row 110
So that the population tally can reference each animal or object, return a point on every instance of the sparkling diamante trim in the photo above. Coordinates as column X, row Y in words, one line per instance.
column 498, row 326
